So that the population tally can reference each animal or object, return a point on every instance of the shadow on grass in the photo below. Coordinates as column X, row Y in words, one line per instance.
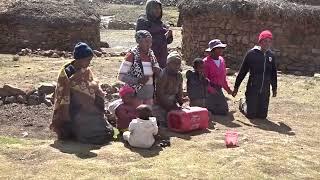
column 146, row 153
column 227, row 120
column 82, row 151
column 268, row 125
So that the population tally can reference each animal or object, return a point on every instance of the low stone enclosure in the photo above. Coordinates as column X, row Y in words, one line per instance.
column 47, row 24
column 238, row 23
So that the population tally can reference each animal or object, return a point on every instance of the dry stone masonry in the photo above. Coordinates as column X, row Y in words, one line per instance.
column 238, row 23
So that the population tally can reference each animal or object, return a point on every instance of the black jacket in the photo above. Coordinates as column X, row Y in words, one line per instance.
column 196, row 85
column 263, row 71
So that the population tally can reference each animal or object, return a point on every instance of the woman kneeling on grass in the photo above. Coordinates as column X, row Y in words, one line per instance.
column 79, row 102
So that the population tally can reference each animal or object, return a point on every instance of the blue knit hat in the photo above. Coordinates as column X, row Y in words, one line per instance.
column 82, row 50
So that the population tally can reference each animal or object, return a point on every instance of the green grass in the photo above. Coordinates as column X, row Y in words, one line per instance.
column 10, row 141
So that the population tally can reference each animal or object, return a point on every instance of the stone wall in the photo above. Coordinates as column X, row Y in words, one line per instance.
column 296, row 45
column 140, row 2
column 309, row 2
column 15, row 36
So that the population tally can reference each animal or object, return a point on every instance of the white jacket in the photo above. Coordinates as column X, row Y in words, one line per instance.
column 141, row 132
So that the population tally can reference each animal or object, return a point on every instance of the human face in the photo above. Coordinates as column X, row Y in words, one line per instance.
column 156, row 10
column 83, row 63
column 128, row 98
column 200, row 68
column 174, row 66
column 217, row 52
column 145, row 44
column 266, row 44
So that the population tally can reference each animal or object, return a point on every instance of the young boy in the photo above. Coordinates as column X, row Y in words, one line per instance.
column 197, row 84
column 169, row 89
column 142, row 130
column 125, row 108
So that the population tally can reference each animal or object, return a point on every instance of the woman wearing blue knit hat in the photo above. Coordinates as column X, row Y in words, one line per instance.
column 79, row 102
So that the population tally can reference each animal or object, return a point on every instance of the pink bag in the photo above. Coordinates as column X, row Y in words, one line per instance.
column 231, row 139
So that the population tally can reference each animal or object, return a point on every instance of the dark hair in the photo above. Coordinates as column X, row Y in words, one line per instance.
column 197, row 62
column 144, row 112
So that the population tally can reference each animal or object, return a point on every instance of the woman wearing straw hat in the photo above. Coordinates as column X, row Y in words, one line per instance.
column 215, row 71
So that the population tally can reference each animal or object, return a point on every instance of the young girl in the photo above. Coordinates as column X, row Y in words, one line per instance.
column 125, row 108
column 215, row 71
column 197, row 84
column 142, row 130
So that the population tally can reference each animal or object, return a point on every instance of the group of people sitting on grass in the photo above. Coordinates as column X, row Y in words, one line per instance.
column 153, row 86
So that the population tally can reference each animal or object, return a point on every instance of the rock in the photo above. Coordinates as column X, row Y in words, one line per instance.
column 120, row 25
column 25, row 134
column 47, row 102
column 50, row 97
column 46, row 88
column 97, row 53
column 29, row 51
column 109, row 89
column 33, row 100
column 47, row 53
column 23, row 52
column 230, row 72
column 10, row 100
column 315, row 51
column 117, row 85
column 16, row 58
column 22, row 99
column 13, row 91
column 104, row 44
column 316, row 75
column 115, row 96
column 3, row 92
column 55, row 55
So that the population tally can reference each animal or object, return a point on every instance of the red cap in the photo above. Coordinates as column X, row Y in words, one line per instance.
column 265, row 35
column 124, row 90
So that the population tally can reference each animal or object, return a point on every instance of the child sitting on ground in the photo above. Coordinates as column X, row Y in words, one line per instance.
column 142, row 130
column 125, row 108
column 197, row 84
column 169, row 89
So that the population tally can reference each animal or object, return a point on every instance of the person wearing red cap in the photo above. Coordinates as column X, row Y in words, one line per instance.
column 260, row 62
column 125, row 108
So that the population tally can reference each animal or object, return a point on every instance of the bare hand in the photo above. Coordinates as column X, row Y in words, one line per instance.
column 274, row 94
column 156, row 71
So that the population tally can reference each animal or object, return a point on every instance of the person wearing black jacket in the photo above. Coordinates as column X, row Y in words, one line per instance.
column 260, row 62
column 161, row 34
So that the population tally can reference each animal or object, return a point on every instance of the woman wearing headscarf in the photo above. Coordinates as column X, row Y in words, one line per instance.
column 140, row 67
column 79, row 102
column 161, row 34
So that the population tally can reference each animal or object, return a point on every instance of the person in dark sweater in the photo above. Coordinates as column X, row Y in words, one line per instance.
column 260, row 62
column 161, row 34
column 197, row 84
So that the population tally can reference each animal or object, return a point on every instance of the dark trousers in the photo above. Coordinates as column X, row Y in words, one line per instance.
column 217, row 103
column 256, row 105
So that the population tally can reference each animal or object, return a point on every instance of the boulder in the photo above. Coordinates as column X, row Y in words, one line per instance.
column 47, row 102
column 97, row 53
column 46, row 88
column 33, row 100
column 16, row 58
column 3, row 92
column 55, row 55
column 104, row 44
column 22, row 99
column 13, row 91
column 10, row 100
column 316, row 75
